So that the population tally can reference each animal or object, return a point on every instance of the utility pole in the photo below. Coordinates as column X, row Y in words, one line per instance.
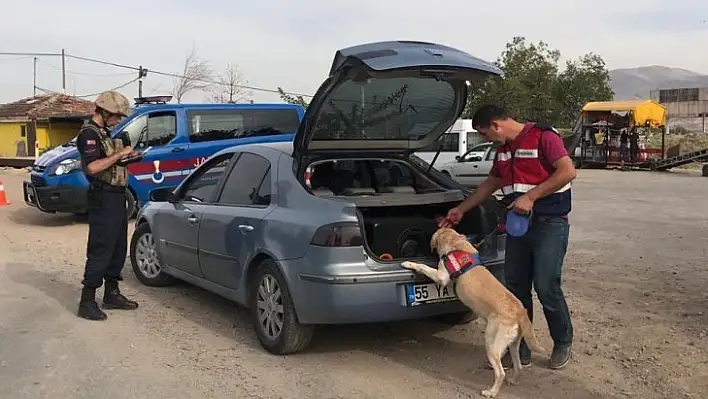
column 63, row 72
column 142, row 72
column 34, row 78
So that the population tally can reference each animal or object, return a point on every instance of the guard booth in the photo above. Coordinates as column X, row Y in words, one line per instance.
column 605, row 123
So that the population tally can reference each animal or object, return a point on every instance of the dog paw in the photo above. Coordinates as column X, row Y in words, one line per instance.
column 408, row 265
column 487, row 393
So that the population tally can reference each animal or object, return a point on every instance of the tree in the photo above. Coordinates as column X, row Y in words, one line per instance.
column 586, row 79
column 229, row 86
column 197, row 75
column 290, row 99
column 533, row 89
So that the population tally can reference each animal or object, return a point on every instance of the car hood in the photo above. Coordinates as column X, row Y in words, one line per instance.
column 57, row 154
column 398, row 96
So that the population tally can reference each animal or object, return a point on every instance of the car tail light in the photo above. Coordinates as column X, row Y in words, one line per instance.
column 342, row 234
column 308, row 173
column 501, row 228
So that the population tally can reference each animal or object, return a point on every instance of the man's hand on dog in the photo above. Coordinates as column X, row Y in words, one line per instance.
column 453, row 217
column 523, row 205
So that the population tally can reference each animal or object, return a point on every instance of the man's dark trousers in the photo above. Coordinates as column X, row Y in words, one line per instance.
column 108, row 235
column 537, row 259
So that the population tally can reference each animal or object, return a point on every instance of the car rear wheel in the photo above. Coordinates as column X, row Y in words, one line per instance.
column 144, row 258
column 274, row 318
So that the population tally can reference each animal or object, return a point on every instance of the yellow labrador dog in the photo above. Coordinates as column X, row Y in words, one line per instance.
column 506, row 318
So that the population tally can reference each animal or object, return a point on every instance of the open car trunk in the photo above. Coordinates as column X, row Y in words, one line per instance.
column 399, row 204
column 396, row 233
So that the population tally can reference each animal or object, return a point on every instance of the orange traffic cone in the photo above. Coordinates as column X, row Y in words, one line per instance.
column 3, row 197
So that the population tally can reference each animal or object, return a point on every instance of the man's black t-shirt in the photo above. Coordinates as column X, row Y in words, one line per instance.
column 88, row 142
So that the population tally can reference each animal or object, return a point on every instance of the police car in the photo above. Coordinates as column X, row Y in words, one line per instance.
column 174, row 140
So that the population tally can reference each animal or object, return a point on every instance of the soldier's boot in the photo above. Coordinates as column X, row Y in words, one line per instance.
column 88, row 308
column 113, row 299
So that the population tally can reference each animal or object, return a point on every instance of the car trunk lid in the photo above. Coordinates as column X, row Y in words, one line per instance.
column 397, row 96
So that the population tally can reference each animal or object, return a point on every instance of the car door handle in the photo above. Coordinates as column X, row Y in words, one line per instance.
column 475, row 166
column 245, row 227
column 192, row 219
column 178, row 149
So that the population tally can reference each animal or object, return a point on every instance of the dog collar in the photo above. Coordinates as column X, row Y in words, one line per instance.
column 459, row 262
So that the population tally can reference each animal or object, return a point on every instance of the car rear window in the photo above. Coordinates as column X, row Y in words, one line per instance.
column 224, row 124
column 405, row 108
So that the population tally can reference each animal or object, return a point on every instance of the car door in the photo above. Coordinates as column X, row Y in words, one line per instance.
column 177, row 226
column 483, row 167
column 165, row 163
column 229, row 229
column 465, row 170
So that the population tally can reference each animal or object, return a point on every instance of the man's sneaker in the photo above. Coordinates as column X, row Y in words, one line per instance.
column 113, row 299
column 560, row 356
column 508, row 364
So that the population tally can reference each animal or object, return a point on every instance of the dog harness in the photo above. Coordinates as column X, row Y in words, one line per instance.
column 459, row 262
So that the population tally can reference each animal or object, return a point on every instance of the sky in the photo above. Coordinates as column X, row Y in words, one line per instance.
column 291, row 43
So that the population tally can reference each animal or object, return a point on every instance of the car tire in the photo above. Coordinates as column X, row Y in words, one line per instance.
column 704, row 171
column 131, row 204
column 145, row 260
column 292, row 336
column 458, row 318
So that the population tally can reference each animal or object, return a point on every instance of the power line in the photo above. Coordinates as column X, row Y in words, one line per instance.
column 16, row 58
column 178, row 76
column 92, row 94
column 134, row 68
column 85, row 73
column 32, row 54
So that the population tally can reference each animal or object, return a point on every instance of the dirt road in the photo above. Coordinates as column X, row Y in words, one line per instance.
column 635, row 276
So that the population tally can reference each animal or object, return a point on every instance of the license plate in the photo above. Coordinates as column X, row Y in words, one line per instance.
column 419, row 294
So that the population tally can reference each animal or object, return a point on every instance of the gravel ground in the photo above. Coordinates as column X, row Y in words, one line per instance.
column 635, row 278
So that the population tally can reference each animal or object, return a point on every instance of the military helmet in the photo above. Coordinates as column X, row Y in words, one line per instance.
column 113, row 102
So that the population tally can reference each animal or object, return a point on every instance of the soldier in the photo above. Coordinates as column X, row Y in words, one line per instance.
column 106, row 205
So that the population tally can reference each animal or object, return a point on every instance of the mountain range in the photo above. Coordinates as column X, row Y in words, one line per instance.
column 635, row 83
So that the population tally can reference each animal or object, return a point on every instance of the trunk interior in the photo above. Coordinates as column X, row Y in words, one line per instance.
column 398, row 205
column 396, row 233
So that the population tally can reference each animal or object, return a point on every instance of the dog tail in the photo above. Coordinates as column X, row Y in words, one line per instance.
column 527, row 332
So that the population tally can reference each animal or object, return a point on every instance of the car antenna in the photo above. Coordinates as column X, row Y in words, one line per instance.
column 435, row 158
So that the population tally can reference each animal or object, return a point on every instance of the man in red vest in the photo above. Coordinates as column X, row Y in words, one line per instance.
column 534, row 171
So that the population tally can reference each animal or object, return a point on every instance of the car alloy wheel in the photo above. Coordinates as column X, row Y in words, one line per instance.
column 269, row 301
column 146, row 256
column 145, row 259
column 273, row 311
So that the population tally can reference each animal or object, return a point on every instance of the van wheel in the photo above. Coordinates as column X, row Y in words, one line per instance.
column 458, row 318
column 131, row 204
column 144, row 258
column 274, row 318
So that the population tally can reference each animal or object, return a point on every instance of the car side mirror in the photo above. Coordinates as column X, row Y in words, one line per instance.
column 163, row 194
column 457, row 158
